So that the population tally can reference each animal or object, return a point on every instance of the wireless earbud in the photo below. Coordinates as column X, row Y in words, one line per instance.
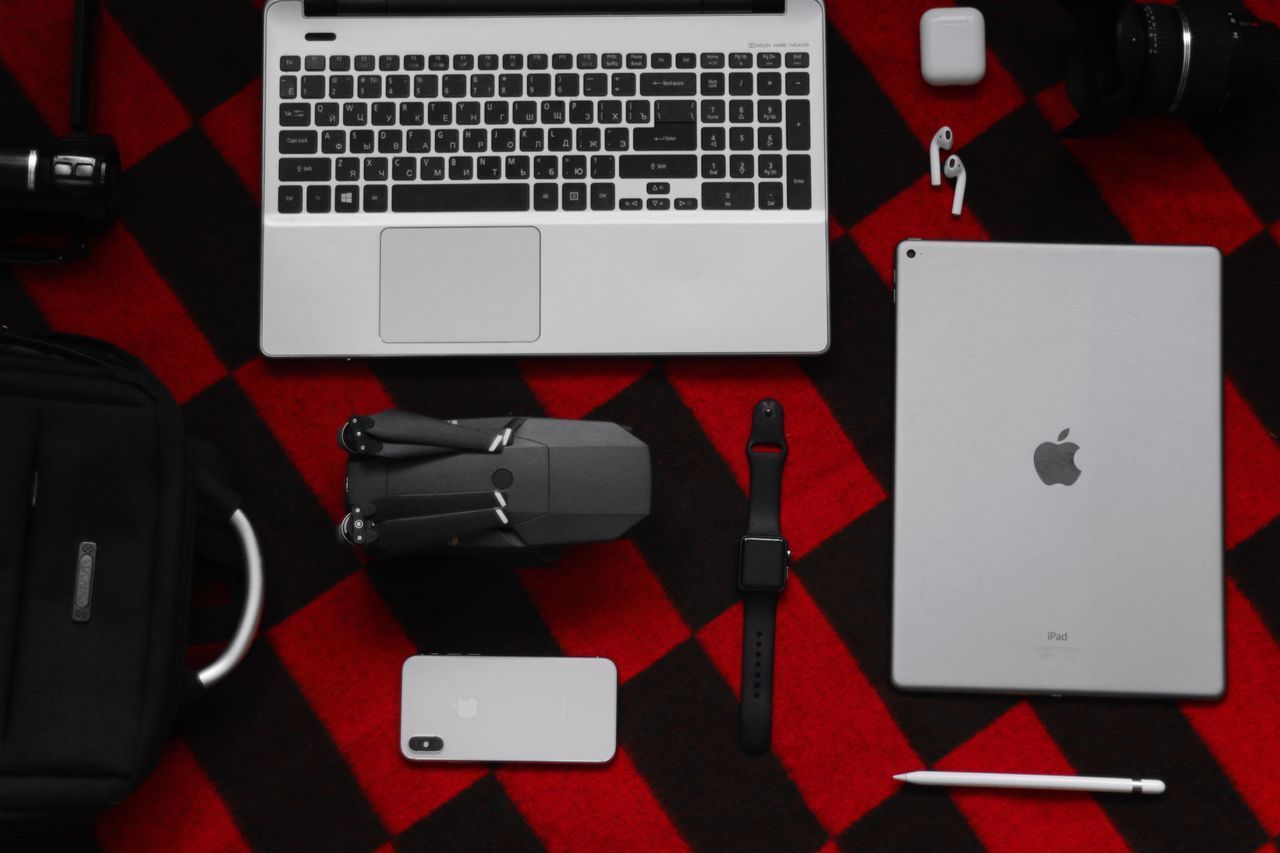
column 955, row 169
column 941, row 140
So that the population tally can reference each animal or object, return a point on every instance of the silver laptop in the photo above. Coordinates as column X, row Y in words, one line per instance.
column 437, row 183
column 1058, row 480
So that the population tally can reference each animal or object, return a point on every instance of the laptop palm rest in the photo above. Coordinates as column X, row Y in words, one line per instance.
column 460, row 285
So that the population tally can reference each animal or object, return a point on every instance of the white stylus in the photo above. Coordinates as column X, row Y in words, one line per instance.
column 1024, row 780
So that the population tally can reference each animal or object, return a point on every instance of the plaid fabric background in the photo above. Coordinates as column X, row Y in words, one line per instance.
column 298, row 749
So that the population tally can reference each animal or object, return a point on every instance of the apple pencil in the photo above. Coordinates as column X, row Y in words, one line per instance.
column 1025, row 780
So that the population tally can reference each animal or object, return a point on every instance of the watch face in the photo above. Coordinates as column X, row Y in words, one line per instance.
column 763, row 564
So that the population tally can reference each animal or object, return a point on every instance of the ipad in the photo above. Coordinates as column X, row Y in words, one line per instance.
column 1058, row 518
column 472, row 708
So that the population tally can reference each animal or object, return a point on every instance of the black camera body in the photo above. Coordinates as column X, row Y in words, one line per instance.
column 1192, row 59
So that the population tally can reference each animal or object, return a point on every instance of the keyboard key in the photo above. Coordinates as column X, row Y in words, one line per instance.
column 446, row 141
column 602, row 197
column 588, row 61
column 546, row 168
column 313, row 87
column 603, row 167
column 713, row 139
column 713, row 112
column 524, row 112
column 546, row 197
column 384, row 114
column 566, row 86
column 582, row 112
column 611, row 60
column 588, row 139
column 728, row 196
column 623, row 85
column 488, row 62
column 658, row 188
column 298, row 142
column 438, row 62
column 355, row 114
column 411, row 113
column 712, row 83
column 517, row 168
column 668, row 85
column 537, row 61
column 376, row 169
column 439, row 113
column 461, row 168
column 426, row 86
column 769, row 83
column 561, row 61
column 289, row 199
column 742, row 167
column 769, row 60
column 398, row 85
column 342, row 87
column 740, row 83
column 740, row 60
column 333, row 142
column 431, row 168
column 339, row 63
column 638, row 112
column 797, row 83
column 740, row 112
column 771, row 165
column 475, row 140
column 488, row 168
column 453, row 85
column 740, row 139
column 347, row 169
column 418, row 141
column 559, row 139
column 713, row 167
column 770, row 111
column 573, row 196
column 617, row 139
column 315, row 63
column 369, row 86
column 553, row 112
column 609, row 112
column 637, row 61
column 463, row 62
column 288, row 87
column 512, row 62
column 388, row 62
column 798, row 125
column 440, row 198
column 532, row 139
column 658, row 166
column 674, row 112
column 658, row 204
column 495, row 112
column 799, row 182
column 770, row 196
column 538, row 85
column 366, row 62
column 347, row 199
column 362, row 142
column 502, row 139
column 686, row 60
column 482, row 85
column 319, row 198
column 510, row 85
column 415, row 62
column 660, row 60
column 595, row 85
column 468, row 112
column 668, row 137
column 631, row 204
column 797, row 60
column 573, row 167
column 301, row 169
column 686, row 204
column 713, row 60
column 375, row 199
column 291, row 63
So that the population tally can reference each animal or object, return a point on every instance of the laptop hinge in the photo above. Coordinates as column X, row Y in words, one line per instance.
column 322, row 8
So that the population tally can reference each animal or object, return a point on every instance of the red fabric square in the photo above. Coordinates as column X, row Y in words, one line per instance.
column 604, row 600
column 831, row 731
column 575, row 388
column 1252, row 469
column 1025, row 820
column 346, row 652
column 235, row 129
column 825, row 484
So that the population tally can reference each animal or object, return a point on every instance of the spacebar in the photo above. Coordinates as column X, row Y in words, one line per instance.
column 440, row 198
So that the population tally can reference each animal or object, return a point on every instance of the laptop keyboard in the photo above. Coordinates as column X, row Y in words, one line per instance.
column 544, row 132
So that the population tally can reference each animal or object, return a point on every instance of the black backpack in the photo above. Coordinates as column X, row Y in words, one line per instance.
column 105, row 507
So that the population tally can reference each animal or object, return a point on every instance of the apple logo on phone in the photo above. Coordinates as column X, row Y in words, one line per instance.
column 467, row 708
column 1056, row 462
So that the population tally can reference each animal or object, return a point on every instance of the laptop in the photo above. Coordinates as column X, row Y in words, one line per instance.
column 1058, row 516
column 524, row 178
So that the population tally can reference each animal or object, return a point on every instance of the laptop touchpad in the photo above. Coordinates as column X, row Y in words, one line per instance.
column 460, row 285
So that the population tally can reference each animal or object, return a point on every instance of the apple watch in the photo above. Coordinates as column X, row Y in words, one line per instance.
column 763, row 560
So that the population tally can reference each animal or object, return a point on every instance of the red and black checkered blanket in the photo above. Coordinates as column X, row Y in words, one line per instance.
column 299, row 749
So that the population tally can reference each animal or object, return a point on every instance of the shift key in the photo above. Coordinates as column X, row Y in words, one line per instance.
column 295, row 169
column 658, row 166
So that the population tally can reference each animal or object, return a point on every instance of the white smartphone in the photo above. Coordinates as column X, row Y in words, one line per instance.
column 472, row 708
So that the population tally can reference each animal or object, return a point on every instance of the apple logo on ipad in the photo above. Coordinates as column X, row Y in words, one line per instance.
column 467, row 708
column 1056, row 463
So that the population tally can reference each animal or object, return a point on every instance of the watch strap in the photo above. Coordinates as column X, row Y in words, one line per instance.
column 766, row 453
